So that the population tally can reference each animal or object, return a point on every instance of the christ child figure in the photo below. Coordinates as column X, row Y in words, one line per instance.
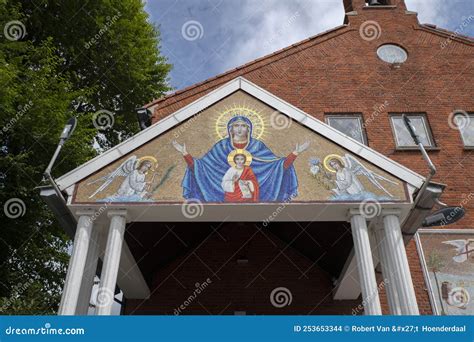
column 239, row 182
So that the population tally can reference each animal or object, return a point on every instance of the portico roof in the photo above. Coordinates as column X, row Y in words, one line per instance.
column 240, row 83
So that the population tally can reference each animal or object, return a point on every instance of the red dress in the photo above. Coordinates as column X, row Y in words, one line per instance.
column 236, row 196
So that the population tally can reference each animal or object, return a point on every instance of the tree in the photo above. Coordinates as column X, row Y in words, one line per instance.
column 108, row 46
column 42, row 84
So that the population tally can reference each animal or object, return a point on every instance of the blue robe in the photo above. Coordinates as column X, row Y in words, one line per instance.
column 203, row 182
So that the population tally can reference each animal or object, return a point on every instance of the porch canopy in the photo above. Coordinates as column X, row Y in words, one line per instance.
column 241, row 154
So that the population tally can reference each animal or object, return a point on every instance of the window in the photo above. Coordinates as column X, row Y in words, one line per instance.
column 392, row 54
column 350, row 124
column 377, row 2
column 465, row 124
column 403, row 138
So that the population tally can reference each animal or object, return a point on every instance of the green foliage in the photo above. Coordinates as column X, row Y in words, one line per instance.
column 45, row 78
column 435, row 262
column 109, row 47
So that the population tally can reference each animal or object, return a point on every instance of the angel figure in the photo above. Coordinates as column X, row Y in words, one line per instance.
column 462, row 249
column 134, row 187
column 347, row 170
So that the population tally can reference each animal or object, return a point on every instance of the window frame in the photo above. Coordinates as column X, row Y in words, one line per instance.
column 377, row 52
column 355, row 115
column 387, row 3
column 427, row 127
column 471, row 116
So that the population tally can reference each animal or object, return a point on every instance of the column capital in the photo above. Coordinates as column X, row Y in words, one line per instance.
column 117, row 212
column 391, row 211
column 85, row 212
column 353, row 212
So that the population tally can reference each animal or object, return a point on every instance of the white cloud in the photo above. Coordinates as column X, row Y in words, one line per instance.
column 431, row 11
column 273, row 25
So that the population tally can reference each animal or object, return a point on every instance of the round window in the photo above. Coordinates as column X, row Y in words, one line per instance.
column 392, row 54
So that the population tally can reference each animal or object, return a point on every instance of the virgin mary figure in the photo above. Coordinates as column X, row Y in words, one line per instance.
column 276, row 176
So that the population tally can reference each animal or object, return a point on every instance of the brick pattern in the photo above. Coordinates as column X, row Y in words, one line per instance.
column 238, row 286
column 339, row 71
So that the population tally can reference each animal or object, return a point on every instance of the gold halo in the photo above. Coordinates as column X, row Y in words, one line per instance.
column 149, row 158
column 328, row 158
column 258, row 125
column 248, row 157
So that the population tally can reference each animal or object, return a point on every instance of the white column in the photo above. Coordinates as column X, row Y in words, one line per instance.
column 398, row 263
column 75, row 272
column 110, row 268
column 388, row 277
column 365, row 264
column 89, row 274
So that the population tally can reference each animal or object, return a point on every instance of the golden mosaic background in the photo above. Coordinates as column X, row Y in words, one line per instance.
column 199, row 134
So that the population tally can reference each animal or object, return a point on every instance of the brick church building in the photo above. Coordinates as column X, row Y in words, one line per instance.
column 290, row 185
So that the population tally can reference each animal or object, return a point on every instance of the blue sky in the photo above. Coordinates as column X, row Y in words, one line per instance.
column 203, row 38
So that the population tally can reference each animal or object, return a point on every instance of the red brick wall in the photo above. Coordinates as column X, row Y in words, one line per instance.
column 340, row 72
column 242, row 287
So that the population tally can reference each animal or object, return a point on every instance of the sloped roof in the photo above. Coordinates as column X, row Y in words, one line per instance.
column 215, row 81
column 213, row 97
column 250, row 66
